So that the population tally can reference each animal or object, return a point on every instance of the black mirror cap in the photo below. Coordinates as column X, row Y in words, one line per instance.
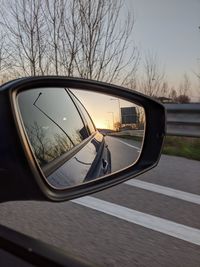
column 20, row 177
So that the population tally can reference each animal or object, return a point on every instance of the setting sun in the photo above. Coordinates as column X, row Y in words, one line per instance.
column 101, row 124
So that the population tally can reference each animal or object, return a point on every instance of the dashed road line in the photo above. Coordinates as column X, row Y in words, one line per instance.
column 164, row 226
column 193, row 198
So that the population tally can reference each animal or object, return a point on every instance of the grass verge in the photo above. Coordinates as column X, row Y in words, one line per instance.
column 182, row 146
column 186, row 147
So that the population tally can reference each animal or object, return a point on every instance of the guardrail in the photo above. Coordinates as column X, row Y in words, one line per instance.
column 183, row 119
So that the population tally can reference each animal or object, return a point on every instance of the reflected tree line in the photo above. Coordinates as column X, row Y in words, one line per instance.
column 49, row 148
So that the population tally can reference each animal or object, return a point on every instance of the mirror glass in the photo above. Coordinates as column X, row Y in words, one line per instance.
column 78, row 135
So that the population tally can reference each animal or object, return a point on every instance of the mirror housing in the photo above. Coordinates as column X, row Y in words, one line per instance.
column 21, row 178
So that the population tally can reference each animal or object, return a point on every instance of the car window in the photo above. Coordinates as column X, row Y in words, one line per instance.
column 49, row 126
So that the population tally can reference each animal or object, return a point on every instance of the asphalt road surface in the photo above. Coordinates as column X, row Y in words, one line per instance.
column 153, row 220
column 124, row 152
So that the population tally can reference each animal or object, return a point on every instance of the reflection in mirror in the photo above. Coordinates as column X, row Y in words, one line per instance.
column 78, row 136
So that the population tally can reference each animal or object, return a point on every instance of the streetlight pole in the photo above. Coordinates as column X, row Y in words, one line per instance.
column 114, row 99
column 112, row 117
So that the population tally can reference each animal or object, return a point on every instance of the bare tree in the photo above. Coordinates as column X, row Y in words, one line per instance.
column 181, row 95
column 182, row 99
column 47, row 148
column 185, row 85
column 72, row 37
column 24, row 24
column 105, row 41
column 173, row 94
column 197, row 75
column 95, row 43
column 184, row 89
column 152, row 82
column 117, row 125
column 53, row 12
column 4, row 54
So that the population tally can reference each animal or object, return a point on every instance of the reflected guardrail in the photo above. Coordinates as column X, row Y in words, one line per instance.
column 183, row 119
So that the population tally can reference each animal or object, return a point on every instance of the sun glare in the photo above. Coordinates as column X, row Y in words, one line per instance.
column 101, row 124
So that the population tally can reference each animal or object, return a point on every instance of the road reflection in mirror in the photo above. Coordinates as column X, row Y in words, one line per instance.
column 77, row 136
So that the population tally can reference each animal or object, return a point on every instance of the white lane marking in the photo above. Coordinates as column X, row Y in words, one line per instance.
column 164, row 226
column 193, row 198
column 138, row 148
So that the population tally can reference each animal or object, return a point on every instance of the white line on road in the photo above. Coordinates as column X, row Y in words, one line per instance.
column 138, row 148
column 165, row 191
column 164, row 226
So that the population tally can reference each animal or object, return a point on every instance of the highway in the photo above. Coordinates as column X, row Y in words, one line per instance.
column 153, row 220
column 124, row 152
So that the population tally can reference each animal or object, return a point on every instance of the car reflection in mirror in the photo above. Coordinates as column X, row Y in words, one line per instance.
column 77, row 136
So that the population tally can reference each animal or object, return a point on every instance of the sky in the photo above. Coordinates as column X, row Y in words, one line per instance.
column 169, row 29
column 103, row 109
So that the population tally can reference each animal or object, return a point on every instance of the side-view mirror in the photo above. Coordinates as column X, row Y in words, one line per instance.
column 63, row 138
